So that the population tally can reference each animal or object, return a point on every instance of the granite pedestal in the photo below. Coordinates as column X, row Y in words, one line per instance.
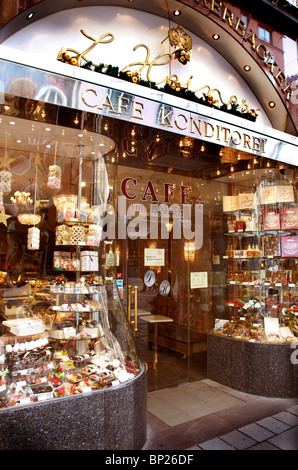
column 107, row 419
column 264, row 369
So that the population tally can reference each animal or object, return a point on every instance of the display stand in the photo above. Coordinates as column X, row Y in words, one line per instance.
column 263, row 369
column 108, row 419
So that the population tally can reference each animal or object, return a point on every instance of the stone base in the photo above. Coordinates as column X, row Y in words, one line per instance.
column 261, row 369
column 108, row 419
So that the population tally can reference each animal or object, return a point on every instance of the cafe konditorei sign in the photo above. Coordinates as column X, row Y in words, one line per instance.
column 182, row 44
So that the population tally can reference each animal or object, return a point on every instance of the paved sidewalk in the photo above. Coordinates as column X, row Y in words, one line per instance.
column 277, row 432
column 251, row 423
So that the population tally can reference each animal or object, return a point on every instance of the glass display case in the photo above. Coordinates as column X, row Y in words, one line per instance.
column 63, row 328
column 261, row 259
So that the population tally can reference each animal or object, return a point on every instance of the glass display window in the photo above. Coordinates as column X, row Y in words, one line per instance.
column 121, row 244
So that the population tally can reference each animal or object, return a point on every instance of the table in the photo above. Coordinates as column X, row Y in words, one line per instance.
column 156, row 319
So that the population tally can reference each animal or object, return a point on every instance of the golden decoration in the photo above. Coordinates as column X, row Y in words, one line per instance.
column 29, row 219
column 4, row 217
column 66, row 55
column 182, row 42
column 133, row 76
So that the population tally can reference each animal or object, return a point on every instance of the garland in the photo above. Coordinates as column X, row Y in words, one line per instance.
column 172, row 88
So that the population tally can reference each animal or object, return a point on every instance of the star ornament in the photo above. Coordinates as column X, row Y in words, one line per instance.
column 4, row 217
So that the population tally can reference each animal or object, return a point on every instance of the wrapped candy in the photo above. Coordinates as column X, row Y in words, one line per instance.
column 54, row 177
column 33, row 238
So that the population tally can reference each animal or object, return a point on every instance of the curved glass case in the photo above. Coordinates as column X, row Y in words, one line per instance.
column 63, row 328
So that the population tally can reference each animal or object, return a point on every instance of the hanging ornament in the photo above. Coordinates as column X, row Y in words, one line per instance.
column 54, row 177
column 5, row 176
column 33, row 238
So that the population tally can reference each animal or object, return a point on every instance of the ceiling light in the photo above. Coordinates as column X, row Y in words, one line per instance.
column 12, row 123
column 271, row 104
column 48, row 146
column 19, row 141
column 216, row 37
column 247, row 68
column 177, row 12
column 48, row 129
column 80, row 135
column 30, row 15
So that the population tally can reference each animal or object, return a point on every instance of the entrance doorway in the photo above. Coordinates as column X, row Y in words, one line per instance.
column 164, row 278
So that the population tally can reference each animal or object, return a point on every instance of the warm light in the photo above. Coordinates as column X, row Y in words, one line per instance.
column 216, row 37
column 76, row 120
column 169, row 226
column 232, row 169
column 189, row 251
column 21, row 198
column 247, row 68
column 271, row 104
column 29, row 219
column 177, row 13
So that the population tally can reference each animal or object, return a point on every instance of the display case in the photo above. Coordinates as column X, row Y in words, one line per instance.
column 66, row 334
column 251, row 345
column 261, row 261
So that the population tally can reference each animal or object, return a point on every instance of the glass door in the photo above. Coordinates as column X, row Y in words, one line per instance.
column 163, row 275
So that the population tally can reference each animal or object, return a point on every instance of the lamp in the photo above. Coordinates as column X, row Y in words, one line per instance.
column 29, row 219
column 189, row 251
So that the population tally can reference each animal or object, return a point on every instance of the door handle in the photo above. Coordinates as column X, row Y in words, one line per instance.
column 133, row 292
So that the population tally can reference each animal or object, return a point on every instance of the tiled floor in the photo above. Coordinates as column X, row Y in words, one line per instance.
column 249, row 423
column 277, row 432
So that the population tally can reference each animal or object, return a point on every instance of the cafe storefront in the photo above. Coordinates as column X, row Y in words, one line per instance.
column 148, row 216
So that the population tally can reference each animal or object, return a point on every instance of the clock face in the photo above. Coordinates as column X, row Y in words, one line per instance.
column 149, row 278
column 164, row 288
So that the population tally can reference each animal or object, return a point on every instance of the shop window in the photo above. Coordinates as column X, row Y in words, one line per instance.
column 264, row 34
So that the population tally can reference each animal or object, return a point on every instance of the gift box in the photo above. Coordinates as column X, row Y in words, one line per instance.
column 25, row 326
column 285, row 193
column 270, row 246
column 289, row 246
column 271, row 219
column 289, row 218
column 89, row 261
column 33, row 238
column 240, row 226
column 230, row 203
column 268, row 195
column 247, row 201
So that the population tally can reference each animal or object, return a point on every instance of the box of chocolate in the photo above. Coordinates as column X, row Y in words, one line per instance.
column 285, row 193
column 230, row 203
column 270, row 246
column 271, row 219
column 268, row 195
column 289, row 246
column 289, row 218
column 247, row 200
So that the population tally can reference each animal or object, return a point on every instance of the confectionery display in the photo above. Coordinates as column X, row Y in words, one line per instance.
column 65, row 332
column 261, row 260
